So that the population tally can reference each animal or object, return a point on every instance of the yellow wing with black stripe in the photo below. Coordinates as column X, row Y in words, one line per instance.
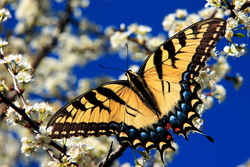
column 112, row 102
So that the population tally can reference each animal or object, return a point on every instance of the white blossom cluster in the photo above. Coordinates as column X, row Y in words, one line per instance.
column 4, row 15
column 179, row 20
column 18, row 66
column 118, row 39
column 40, row 56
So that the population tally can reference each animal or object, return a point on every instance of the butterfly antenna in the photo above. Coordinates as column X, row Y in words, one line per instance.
column 127, row 54
column 111, row 68
column 208, row 137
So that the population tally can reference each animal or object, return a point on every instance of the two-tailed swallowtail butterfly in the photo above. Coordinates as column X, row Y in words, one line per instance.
column 161, row 96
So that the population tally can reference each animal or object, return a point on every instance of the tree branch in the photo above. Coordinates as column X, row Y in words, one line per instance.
column 32, row 124
column 65, row 19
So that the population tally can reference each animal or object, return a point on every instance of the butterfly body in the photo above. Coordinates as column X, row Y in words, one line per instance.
column 139, row 86
column 152, row 104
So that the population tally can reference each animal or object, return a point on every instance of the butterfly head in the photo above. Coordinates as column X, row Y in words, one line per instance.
column 131, row 75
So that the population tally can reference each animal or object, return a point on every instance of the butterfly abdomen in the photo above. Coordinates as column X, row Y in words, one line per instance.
column 139, row 87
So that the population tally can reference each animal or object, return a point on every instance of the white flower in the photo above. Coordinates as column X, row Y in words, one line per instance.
column 231, row 23
column 85, row 3
column 168, row 21
column 122, row 27
column 3, row 43
column 17, row 59
column 52, row 163
column 80, row 149
column 181, row 13
column 208, row 103
column 12, row 116
column 118, row 39
column 122, row 77
column 28, row 10
column 23, row 77
column 193, row 18
column 20, row 27
column 109, row 31
column 82, row 3
column 215, row 3
column 134, row 68
column 221, row 68
column 27, row 146
column 126, row 165
column 235, row 50
column 77, row 152
column 139, row 29
column 18, row 43
column 200, row 108
column 42, row 140
column 4, row 14
column 140, row 162
column 204, row 78
column 155, row 42
column 138, row 56
column 143, row 29
column 42, row 107
column 11, row 57
column 177, row 26
column 84, row 85
column 219, row 93
column 85, row 42
column 207, row 12
column 238, row 3
column 229, row 34
column 243, row 18
column 198, row 123
column 170, row 153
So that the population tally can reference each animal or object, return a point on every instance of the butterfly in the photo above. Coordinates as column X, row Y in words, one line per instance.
column 154, row 103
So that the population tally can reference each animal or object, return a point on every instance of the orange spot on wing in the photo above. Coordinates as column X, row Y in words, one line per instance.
column 168, row 126
column 177, row 130
column 169, row 137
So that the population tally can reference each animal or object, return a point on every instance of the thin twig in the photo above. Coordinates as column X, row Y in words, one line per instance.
column 19, row 92
column 143, row 45
column 114, row 155
column 245, row 5
column 213, row 14
column 32, row 123
column 230, row 7
column 109, row 153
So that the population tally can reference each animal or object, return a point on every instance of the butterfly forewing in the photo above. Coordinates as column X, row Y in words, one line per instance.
column 113, row 102
column 163, row 70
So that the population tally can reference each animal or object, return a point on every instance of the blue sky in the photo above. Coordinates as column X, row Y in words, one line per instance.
column 227, row 123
